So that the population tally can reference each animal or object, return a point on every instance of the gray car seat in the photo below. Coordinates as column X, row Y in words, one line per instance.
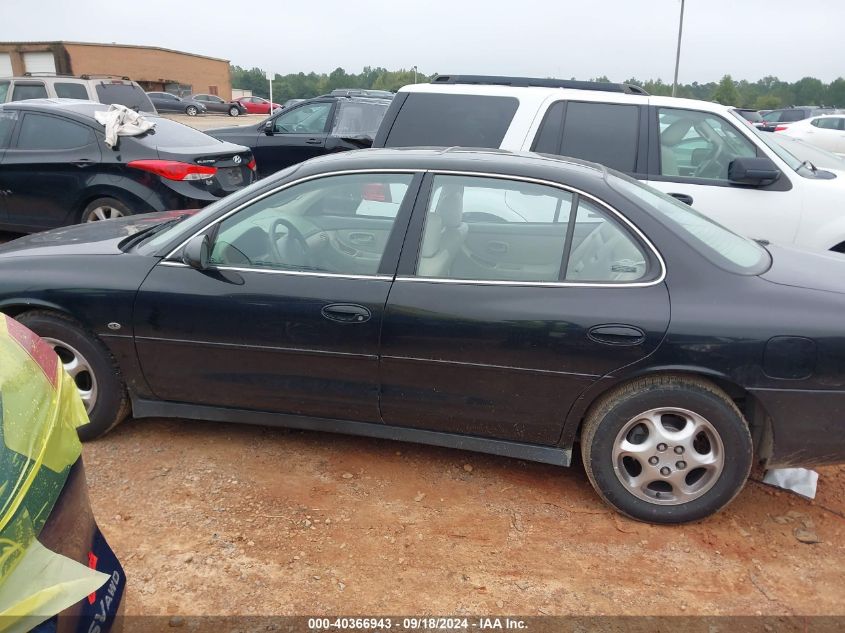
column 445, row 232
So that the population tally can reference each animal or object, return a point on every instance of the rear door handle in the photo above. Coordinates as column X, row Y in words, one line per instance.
column 346, row 313
column 683, row 197
column 616, row 334
column 314, row 141
column 83, row 162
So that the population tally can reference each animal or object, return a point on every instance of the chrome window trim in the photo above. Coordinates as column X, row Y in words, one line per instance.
column 167, row 261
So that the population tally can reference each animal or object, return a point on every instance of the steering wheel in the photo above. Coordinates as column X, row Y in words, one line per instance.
column 293, row 234
column 712, row 164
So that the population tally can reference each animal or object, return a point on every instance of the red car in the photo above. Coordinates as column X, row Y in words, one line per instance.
column 256, row 105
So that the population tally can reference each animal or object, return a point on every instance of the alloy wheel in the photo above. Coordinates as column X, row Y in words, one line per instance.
column 79, row 369
column 103, row 212
column 668, row 456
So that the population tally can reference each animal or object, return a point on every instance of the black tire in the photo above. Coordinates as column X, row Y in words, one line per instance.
column 191, row 110
column 234, row 111
column 106, row 206
column 111, row 404
column 667, row 395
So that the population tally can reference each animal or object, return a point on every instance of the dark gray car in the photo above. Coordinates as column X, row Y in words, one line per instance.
column 213, row 103
column 166, row 102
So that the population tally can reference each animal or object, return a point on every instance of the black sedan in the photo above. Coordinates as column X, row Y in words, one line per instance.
column 56, row 168
column 510, row 304
column 213, row 103
column 167, row 102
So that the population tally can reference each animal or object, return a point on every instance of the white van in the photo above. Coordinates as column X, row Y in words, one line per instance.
column 702, row 153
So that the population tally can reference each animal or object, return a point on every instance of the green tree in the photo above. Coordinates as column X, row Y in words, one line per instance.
column 726, row 92
column 809, row 91
column 767, row 102
column 836, row 93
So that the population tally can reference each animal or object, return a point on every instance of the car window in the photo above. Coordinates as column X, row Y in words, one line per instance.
column 307, row 119
column 23, row 91
column 167, row 133
column 337, row 224
column 8, row 118
column 773, row 116
column 718, row 244
column 447, row 120
column 129, row 95
column 827, row 123
column 792, row 115
column 67, row 90
column 358, row 118
column 4, row 90
column 601, row 132
column 48, row 132
column 699, row 145
column 492, row 229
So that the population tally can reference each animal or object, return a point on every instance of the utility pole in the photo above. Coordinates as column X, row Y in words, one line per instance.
column 415, row 74
column 678, row 54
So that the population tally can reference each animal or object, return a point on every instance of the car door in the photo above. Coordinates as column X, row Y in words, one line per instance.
column 286, row 319
column 8, row 121
column 690, row 154
column 293, row 136
column 46, row 170
column 484, row 335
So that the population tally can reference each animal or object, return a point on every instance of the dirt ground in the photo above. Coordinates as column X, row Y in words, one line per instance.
column 219, row 519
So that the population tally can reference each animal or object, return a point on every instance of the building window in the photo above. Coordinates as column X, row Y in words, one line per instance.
column 212, row 90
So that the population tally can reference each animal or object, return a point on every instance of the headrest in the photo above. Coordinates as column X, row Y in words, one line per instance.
column 450, row 207
column 432, row 235
column 676, row 132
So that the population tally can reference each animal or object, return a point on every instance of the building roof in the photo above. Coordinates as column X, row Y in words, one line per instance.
column 113, row 45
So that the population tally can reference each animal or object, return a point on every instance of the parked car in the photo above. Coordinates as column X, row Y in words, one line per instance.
column 826, row 132
column 213, row 103
column 166, row 102
column 53, row 552
column 701, row 152
column 818, row 157
column 55, row 168
column 786, row 116
column 752, row 116
column 314, row 127
column 292, row 102
column 257, row 105
column 385, row 294
column 103, row 89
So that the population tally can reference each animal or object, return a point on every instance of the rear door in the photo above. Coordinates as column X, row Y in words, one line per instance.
column 46, row 170
column 297, row 135
column 8, row 120
column 499, row 319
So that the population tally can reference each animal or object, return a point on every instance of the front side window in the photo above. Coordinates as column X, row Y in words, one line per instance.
column 336, row 224
column 491, row 229
column 307, row 119
column 40, row 132
column 67, row 90
column 718, row 244
column 29, row 91
column 699, row 145
column 358, row 118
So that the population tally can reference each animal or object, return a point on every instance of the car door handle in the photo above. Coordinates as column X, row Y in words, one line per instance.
column 314, row 141
column 346, row 313
column 683, row 197
column 616, row 334
column 497, row 248
column 83, row 162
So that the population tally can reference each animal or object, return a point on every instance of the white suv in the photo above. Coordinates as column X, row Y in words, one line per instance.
column 100, row 88
column 702, row 153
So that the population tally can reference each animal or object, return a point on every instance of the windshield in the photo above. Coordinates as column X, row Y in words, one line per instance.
column 766, row 138
column 721, row 246
column 167, row 133
column 126, row 94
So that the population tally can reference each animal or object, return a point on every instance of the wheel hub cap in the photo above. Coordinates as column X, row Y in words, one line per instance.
column 103, row 213
column 668, row 456
column 79, row 369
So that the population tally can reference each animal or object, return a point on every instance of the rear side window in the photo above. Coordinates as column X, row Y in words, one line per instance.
column 48, row 132
column 7, row 124
column 66, row 90
column 125, row 94
column 29, row 91
column 604, row 133
column 828, row 123
column 447, row 120
column 792, row 115
column 356, row 118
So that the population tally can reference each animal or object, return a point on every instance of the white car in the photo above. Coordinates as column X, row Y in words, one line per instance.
column 700, row 152
column 818, row 157
column 827, row 132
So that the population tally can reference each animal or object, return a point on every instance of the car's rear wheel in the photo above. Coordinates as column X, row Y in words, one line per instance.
column 89, row 364
column 234, row 111
column 104, row 209
column 667, row 449
column 191, row 110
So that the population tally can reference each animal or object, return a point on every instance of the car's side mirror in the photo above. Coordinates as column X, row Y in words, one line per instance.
column 270, row 127
column 197, row 251
column 753, row 171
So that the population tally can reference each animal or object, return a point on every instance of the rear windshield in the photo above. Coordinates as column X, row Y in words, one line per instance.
column 169, row 133
column 358, row 118
column 126, row 94
column 721, row 246
column 447, row 120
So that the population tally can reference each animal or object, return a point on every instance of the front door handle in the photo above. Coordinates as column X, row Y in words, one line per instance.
column 683, row 197
column 616, row 334
column 314, row 141
column 346, row 313
column 83, row 162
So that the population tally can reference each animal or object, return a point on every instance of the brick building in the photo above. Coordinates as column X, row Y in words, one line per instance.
column 154, row 68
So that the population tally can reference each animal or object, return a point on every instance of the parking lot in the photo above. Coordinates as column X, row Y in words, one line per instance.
column 213, row 518
column 211, row 121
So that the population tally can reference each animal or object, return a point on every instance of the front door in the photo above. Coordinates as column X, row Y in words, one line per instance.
column 516, row 299
column 287, row 317
column 46, row 171
column 297, row 135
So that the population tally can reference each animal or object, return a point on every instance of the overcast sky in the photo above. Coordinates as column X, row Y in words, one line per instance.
column 561, row 38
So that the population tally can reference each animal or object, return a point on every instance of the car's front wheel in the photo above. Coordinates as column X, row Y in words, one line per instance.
column 667, row 449
column 191, row 110
column 89, row 364
column 234, row 111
